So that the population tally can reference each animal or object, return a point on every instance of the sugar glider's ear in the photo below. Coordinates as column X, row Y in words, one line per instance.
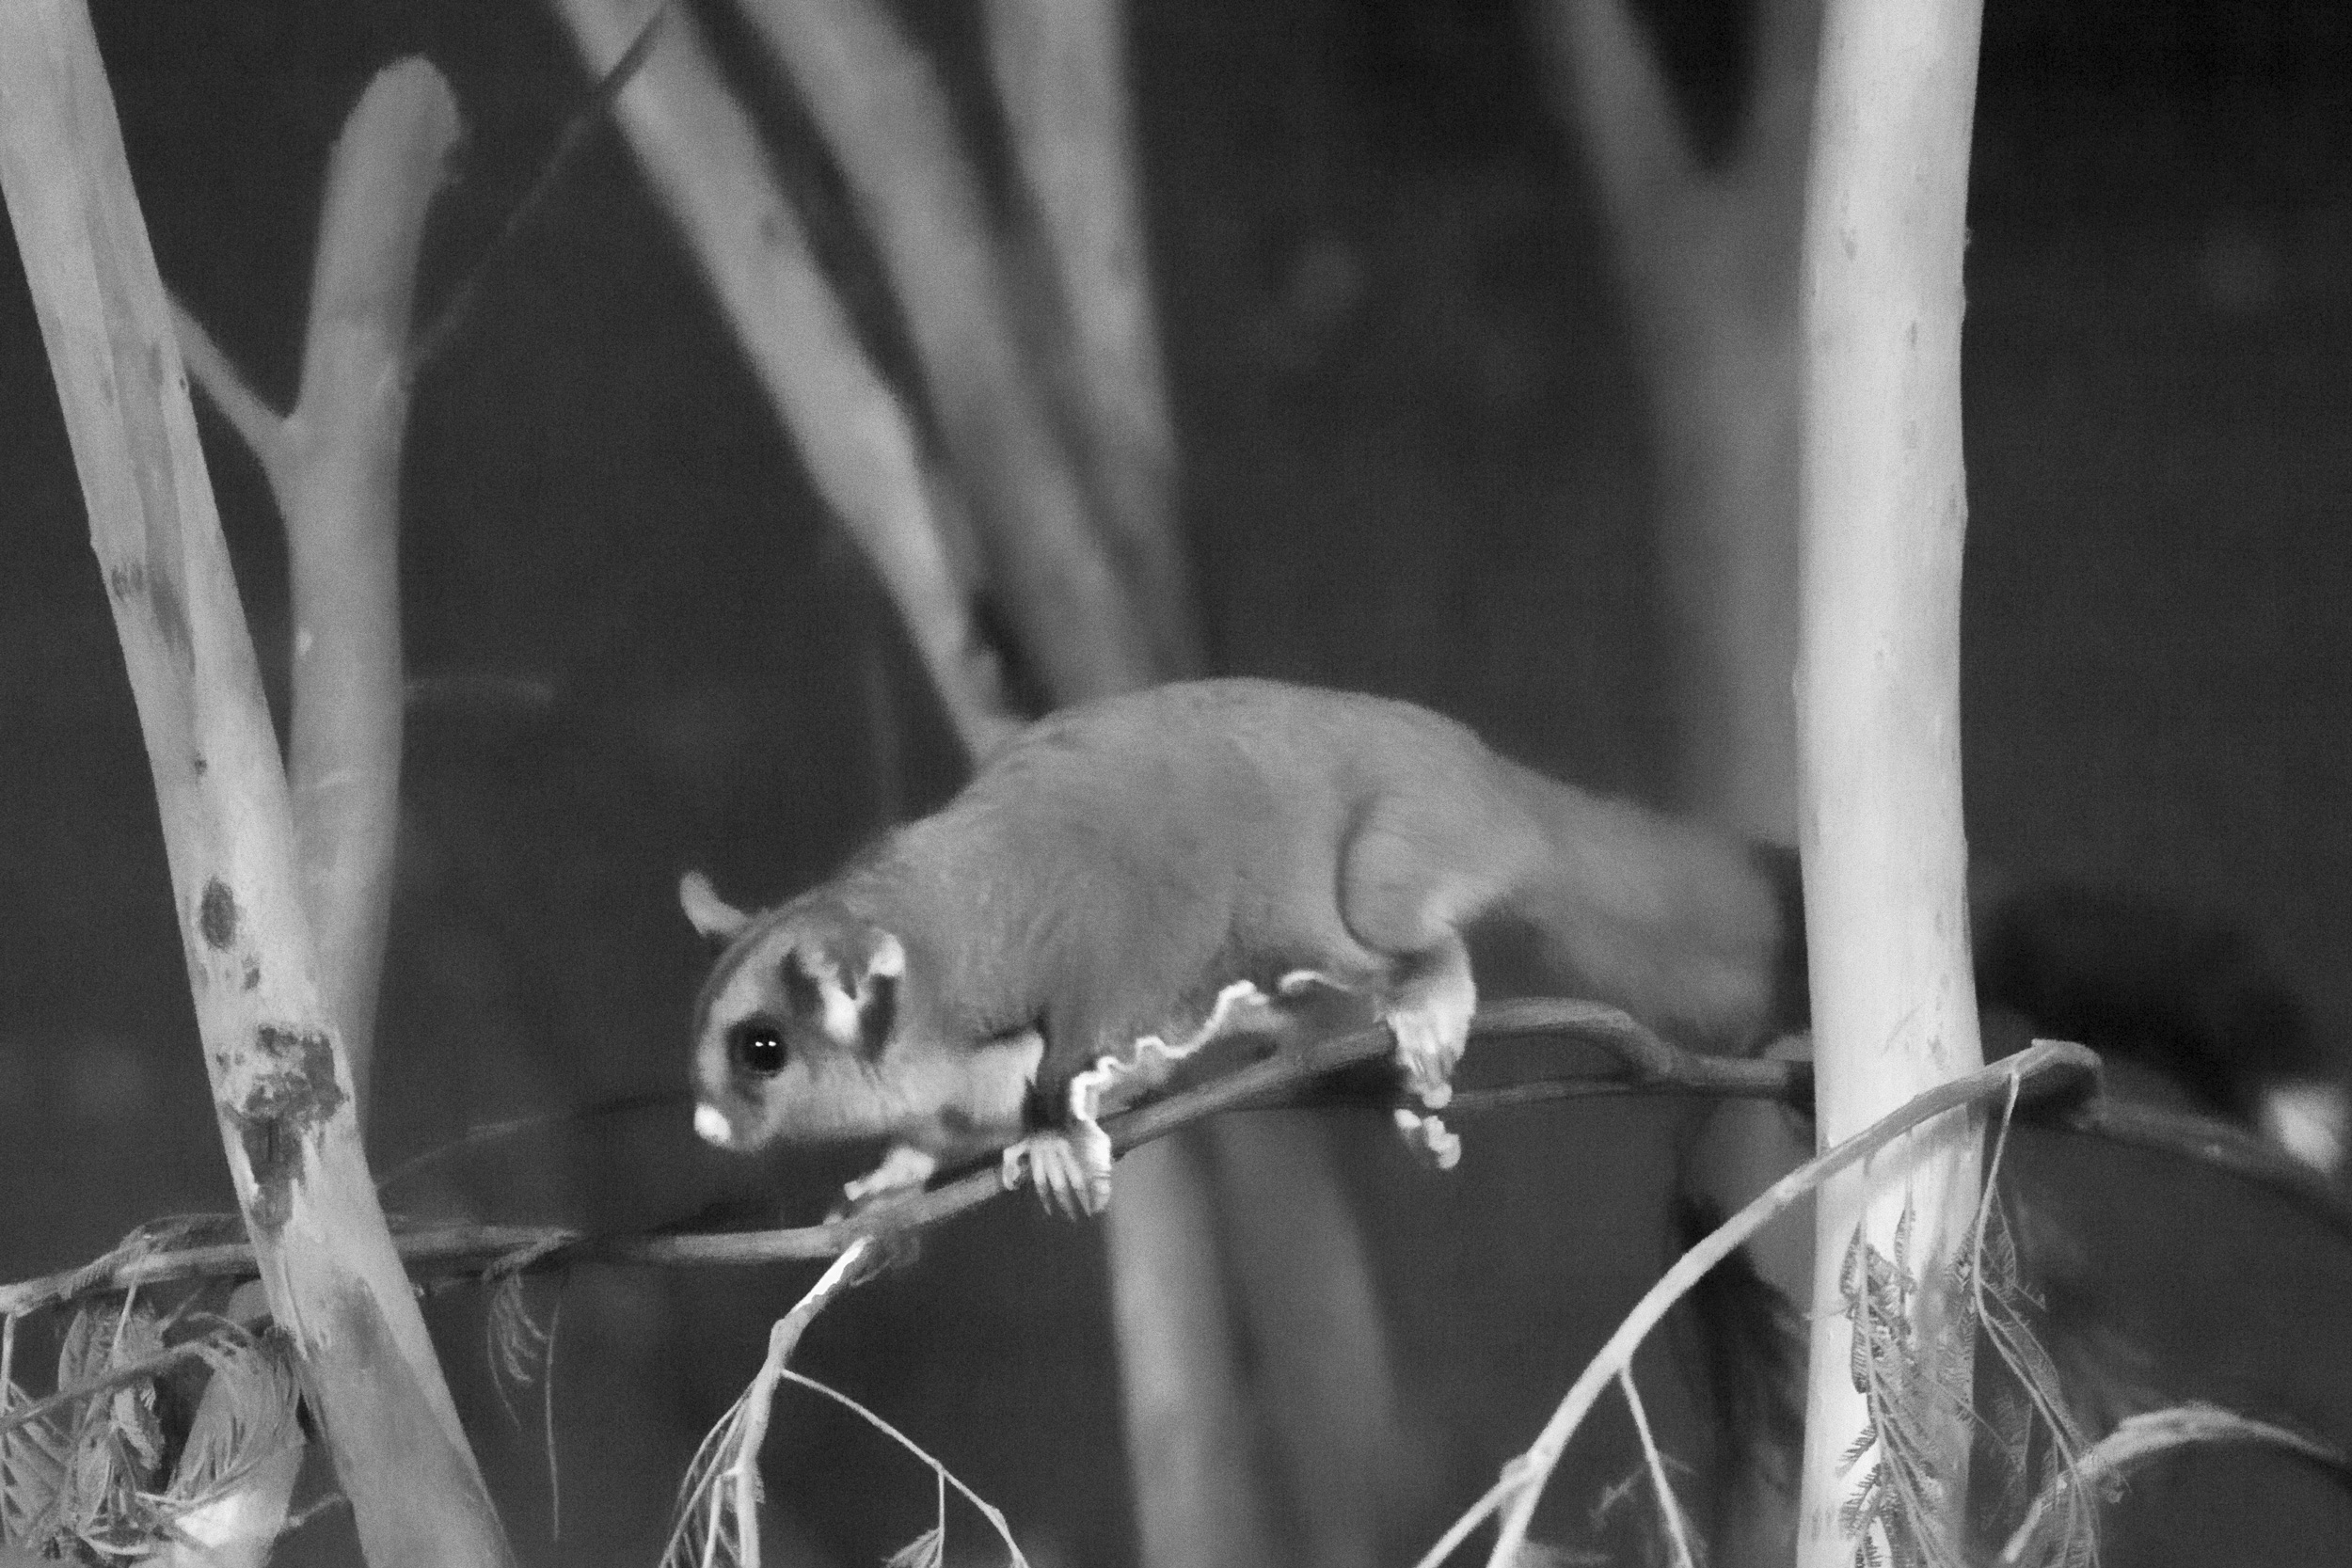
column 712, row 915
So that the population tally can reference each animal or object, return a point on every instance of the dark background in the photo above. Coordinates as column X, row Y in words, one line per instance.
column 1413, row 463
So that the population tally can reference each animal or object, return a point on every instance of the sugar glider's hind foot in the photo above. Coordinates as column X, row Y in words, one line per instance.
column 1070, row 1171
column 1429, row 1012
column 1428, row 1138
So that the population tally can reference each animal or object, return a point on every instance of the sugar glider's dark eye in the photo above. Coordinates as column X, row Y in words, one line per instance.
column 756, row 1046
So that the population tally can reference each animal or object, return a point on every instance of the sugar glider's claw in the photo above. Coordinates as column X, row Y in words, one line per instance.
column 1429, row 1140
column 1430, row 1015
column 1070, row 1171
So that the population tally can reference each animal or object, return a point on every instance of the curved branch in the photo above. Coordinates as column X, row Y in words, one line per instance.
column 1299, row 1078
column 2044, row 1068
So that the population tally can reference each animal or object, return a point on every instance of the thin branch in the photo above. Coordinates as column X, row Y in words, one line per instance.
column 947, row 1476
column 742, row 1474
column 457, row 311
column 116, row 1376
column 2048, row 1067
column 1670, row 1507
column 2139, row 1440
column 1642, row 1064
column 260, row 427
column 1300, row 1079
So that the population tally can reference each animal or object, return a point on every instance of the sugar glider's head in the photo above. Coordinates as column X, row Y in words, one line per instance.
column 792, row 1026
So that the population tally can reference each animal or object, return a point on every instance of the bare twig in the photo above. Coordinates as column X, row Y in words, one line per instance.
column 2139, row 1440
column 1669, row 1506
column 946, row 1477
column 2047, row 1067
column 459, row 309
column 260, row 427
column 1642, row 1064
column 742, row 1473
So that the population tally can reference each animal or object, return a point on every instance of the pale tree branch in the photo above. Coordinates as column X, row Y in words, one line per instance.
column 281, row 1082
column 341, row 499
column 1061, row 74
column 2045, row 1069
column 703, row 159
column 884, row 117
column 1607, row 84
column 333, row 466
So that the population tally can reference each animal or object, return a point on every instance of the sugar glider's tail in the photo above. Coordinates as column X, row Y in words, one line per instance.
column 1696, row 932
column 1701, row 935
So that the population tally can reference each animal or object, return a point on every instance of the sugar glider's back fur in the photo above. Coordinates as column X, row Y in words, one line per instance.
column 1147, row 850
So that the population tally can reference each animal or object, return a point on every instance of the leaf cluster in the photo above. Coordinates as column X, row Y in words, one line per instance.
column 152, row 1417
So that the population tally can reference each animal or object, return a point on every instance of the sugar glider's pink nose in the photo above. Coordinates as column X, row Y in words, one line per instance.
column 711, row 1123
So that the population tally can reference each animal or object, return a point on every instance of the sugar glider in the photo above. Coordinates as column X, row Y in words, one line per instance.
column 1128, row 878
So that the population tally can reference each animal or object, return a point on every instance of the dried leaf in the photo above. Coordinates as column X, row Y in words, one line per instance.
column 926, row 1550
column 248, row 1415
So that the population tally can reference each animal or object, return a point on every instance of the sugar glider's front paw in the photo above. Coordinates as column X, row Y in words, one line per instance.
column 1070, row 1171
column 903, row 1172
column 1430, row 1015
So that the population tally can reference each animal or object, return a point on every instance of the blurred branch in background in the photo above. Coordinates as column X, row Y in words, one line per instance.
column 1060, row 70
column 702, row 156
column 1706, row 254
column 1046, row 553
column 271, row 1036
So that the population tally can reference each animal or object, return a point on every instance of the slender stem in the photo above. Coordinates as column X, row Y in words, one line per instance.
column 260, row 427
column 2043, row 1068
column 1677, row 1529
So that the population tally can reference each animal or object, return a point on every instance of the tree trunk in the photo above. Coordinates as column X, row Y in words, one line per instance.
column 1883, row 514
